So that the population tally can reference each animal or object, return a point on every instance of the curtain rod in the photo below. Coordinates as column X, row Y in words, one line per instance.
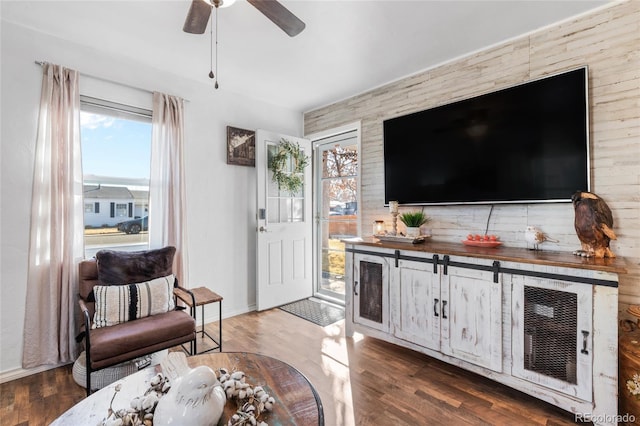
column 41, row 63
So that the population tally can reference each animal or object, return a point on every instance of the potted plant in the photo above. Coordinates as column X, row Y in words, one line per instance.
column 413, row 221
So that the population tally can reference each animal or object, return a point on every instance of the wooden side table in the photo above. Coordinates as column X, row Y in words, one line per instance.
column 201, row 296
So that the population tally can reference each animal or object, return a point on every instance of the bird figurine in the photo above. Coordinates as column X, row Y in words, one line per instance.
column 535, row 237
column 196, row 397
column 594, row 225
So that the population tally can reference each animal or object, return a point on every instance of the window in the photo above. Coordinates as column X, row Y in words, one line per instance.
column 121, row 210
column 116, row 157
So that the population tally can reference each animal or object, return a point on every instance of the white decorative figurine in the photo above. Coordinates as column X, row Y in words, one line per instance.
column 535, row 237
column 196, row 397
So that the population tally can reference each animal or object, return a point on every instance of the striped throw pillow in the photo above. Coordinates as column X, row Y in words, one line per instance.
column 121, row 303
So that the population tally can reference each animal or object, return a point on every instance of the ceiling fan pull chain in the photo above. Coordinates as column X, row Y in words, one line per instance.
column 216, row 85
column 211, row 75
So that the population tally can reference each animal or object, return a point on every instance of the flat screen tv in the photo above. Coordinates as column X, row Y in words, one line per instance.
column 524, row 144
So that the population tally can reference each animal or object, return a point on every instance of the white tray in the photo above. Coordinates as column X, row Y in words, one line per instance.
column 401, row 239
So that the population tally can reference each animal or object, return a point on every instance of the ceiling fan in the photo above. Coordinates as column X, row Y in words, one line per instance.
column 200, row 11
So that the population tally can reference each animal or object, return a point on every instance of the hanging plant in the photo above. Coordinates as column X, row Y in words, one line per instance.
column 291, row 181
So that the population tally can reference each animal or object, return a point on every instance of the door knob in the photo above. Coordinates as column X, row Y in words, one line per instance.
column 262, row 229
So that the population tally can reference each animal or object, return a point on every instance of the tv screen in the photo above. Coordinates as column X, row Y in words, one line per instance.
column 524, row 144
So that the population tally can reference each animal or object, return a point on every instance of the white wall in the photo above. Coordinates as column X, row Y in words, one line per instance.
column 220, row 197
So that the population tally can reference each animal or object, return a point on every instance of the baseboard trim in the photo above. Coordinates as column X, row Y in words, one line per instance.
column 225, row 314
column 19, row 373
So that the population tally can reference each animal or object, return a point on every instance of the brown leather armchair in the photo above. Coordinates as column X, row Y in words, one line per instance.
column 107, row 346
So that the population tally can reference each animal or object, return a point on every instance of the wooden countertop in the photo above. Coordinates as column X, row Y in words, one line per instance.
column 508, row 254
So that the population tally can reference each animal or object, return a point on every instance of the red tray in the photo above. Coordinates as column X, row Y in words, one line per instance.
column 475, row 243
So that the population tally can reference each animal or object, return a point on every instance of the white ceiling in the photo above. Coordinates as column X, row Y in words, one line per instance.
column 347, row 47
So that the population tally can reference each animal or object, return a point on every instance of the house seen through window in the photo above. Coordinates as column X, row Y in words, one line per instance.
column 116, row 157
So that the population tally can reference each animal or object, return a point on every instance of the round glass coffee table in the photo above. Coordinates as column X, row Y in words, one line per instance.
column 297, row 401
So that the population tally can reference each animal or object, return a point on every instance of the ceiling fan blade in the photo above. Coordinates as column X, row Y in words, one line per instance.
column 279, row 15
column 197, row 18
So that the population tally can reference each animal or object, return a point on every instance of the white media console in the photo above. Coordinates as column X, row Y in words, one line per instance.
column 545, row 323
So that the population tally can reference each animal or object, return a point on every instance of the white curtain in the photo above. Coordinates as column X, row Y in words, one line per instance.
column 56, row 235
column 167, row 213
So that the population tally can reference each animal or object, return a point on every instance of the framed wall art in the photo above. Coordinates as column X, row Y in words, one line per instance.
column 241, row 146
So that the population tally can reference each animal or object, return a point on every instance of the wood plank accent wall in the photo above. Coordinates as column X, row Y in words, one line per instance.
column 608, row 41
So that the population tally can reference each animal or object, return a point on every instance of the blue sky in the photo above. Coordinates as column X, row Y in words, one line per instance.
column 115, row 146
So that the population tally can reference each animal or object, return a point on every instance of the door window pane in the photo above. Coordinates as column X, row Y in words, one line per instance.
column 285, row 210
column 340, row 161
column 282, row 205
column 339, row 195
column 273, row 210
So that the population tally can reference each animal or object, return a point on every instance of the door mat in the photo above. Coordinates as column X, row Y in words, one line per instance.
column 319, row 313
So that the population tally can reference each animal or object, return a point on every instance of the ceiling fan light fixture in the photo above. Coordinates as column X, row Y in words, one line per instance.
column 200, row 10
column 219, row 3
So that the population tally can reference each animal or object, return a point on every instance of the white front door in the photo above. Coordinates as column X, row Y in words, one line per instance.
column 284, row 228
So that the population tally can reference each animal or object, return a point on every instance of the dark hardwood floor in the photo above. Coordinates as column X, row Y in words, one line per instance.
column 361, row 381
